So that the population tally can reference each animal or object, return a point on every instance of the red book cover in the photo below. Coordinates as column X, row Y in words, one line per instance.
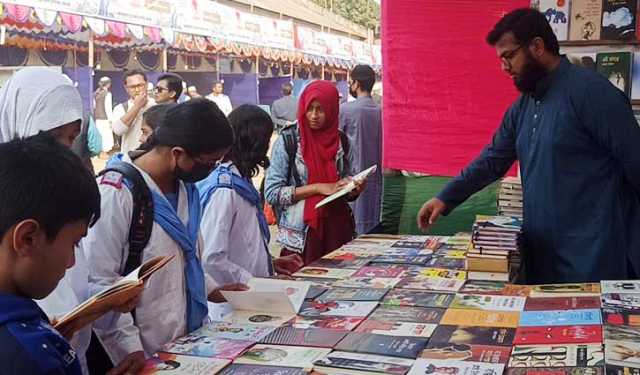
column 467, row 352
column 562, row 303
column 558, row 335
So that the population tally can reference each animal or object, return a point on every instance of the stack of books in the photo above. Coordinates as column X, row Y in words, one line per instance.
column 494, row 249
column 510, row 197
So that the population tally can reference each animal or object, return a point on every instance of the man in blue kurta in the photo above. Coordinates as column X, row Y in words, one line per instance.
column 578, row 145
column 361, row 121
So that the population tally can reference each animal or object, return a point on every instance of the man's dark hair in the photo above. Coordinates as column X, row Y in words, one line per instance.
column 253, row 128
column 526, row 24
column 43, row 180
column 365, row 76
column 154, row 116
column 198, row 126
column 131, row 73
column 287, row 89
column 174, row 83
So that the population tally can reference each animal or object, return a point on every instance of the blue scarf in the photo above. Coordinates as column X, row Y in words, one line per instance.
column 223, row 177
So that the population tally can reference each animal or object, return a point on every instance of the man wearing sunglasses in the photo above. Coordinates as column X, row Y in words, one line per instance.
column 168, row 89
column 578, row 146
column 128, row 115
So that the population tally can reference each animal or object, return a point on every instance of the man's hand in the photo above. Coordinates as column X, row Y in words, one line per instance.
column 288, row 264
column 140, row 101
column 217, row 297
column 430, row 212
column 131, row 303
column 130, row 365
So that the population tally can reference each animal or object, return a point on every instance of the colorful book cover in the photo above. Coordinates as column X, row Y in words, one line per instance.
column 380, row 327
column 354, row 263
column 403, row 259
column 401, row 297
column 408, row 314
column 403, row 347
column 560, row 318
column 479, row 318
column 409, row 244
column 237, row 369
column 444, row 262
column 364, row 362
column 558, row 335
column 558, row 371
column 436, row 366
column 337, row 308
column 567, row 355
column 280, row 355
column 258, row 318
column 341, row 323
column 490, row 303
column 565, row 290
column 616, row 67
column 562, row 303
column 434, row 284
column 467, row 352
column 621, row 333
column 325, row 273
column 442, row 273
column 320, row 338
column 619, row 286
column 381, row 272
column 353, row 294
column 499, row 223
column 495, row 288
column 619, row 19
column 630, row 302
column 458, row 335
column 315, row 291
column 586, row 20
column 204, row 346
column 232, row 331
column 623, row 353
column 368, row 282
column 620, row 317
column 183, row 365
column 620, row 370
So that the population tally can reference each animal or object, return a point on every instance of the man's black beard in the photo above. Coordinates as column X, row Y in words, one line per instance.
column 532, row 73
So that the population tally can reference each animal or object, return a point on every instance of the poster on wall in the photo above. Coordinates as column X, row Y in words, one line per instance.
column 310, row 41
column 201, row 17
column 276, row 33
column 156, row 13
column 82, row 7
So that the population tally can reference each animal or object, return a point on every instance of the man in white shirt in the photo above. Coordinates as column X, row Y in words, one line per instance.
column 103, row 113
column 127, row 116
column 223, row 101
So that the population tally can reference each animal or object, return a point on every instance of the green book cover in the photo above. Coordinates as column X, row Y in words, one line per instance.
column 616, row 67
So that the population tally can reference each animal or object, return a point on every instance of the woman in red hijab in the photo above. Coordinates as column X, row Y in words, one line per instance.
column 309, row 162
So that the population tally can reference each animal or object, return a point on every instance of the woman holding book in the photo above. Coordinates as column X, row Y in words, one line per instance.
column 309, row 161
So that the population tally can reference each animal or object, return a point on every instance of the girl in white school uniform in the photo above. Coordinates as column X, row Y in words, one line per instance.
column 193, row 137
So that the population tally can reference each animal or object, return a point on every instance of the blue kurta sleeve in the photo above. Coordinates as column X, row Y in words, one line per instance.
column 494, row 161
column 608, row 117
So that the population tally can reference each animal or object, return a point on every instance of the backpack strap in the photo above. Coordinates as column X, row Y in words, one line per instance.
column 142, row 217
column 291, row 146
column 344, row 141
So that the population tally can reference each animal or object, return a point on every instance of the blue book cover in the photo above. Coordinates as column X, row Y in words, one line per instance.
column 560, row 318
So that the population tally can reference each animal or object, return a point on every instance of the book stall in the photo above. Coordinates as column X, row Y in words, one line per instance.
column 406, row 304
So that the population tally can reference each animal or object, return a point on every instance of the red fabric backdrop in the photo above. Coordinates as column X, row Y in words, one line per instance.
column 444, row 92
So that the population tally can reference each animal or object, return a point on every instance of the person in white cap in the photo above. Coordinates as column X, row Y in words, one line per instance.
column 103, row 112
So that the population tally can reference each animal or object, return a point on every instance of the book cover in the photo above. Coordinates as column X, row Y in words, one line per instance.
column 269, row 295
column 410, row 244
column 621, row 333
column 560, row 318
column 320, row 338
column 629, row 302
column 586, row 20
column 368, row 282
column 237, row 369
column 400, row 297
column 183, row 365
column 408, row 314
column 442, row 273
column 481, row 318
column 562, row 303
column 585, row 60
column 389, row 328
column 619, row 286
column 258, row 318
column 341, row 323
column 561, row 355
column 361, row 177
column 491, row 336
column 620, row 317
column 315, row 291
column 565, row 290
column 557, row 371
column 616, row 67
column 353, row 294
column 281, row 355
column 224, row 330
column 620, row 370
column 498, row 288
column 491, row 303
column 380, row 272
column 204, row 346
column 619, row 19
column 498, row 223
column 337, row 308
column 403, row 259
column 487, row 276
column 433, row 284
column 435, row 366
column 355, row 263
column 467, row 352
column 324, row 273
column 403, row 347
column 622, row 353
column 444, row 262
column 364, row 362
column 558, row 335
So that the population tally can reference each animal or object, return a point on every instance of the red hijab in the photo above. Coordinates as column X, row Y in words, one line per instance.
column 319, row 146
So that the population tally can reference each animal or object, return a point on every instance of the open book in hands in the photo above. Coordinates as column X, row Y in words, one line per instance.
column 360, row 177
column 124, row 290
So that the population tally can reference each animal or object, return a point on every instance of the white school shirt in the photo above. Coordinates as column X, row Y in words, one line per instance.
column 130, row 134
column 161, row 314
column 234, row 248
column 223, row 102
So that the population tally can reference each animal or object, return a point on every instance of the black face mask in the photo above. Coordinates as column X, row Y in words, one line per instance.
column 197, row 173
column 532, row 73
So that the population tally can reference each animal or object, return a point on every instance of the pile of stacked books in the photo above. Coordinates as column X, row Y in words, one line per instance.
column 494, row 250
column 510, row 197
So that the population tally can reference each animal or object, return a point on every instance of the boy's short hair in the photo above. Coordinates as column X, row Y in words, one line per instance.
column 174, row 83
column 43, row 180
column 154, row 116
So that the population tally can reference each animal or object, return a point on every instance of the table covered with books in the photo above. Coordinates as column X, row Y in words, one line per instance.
column 417, row 305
